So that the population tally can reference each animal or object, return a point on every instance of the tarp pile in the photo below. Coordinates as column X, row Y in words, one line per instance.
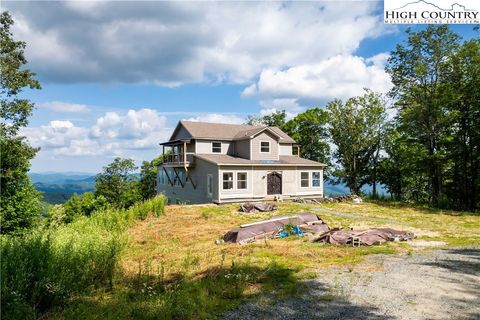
column 362, row 237
column 268, row 229
column 254, row 207
column 317, row 230
column 346, row 198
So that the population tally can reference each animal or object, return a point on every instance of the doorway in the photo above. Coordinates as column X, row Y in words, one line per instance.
column 274, row 183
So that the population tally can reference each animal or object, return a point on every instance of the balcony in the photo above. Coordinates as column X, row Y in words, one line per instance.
column 178, row 160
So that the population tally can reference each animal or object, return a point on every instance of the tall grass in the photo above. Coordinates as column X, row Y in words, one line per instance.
column 48, row 266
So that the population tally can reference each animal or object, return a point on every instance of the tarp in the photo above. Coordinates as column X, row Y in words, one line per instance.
column 269, row 228
column 363, row 237
column 254, row 207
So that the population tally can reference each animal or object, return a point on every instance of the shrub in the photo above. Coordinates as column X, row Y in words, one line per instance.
column 44, row 268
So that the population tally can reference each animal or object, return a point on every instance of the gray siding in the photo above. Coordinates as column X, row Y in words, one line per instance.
column 242, row 148
column 205, row 147
column 285, row 149
column 188, row 193
column 182, row 133
column 255, row 145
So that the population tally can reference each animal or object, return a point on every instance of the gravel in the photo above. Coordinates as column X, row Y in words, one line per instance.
column 440, row 284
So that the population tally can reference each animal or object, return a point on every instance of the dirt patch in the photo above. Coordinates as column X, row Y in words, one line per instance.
column 421, row 244
column 441, row 284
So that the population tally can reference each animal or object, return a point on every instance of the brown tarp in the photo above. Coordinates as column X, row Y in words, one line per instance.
column 269, row 228
column 363, row 237
column 254, row 207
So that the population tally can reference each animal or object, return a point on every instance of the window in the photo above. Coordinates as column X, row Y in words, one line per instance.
column 209, row 185
column 316, row 179
column 161, row 177
column 241, row 180
column 216, row 147
column 227, row 180
column 304, row 179
column 265, row 146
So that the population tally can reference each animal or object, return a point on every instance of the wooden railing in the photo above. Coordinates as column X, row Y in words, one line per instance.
column 177, row 158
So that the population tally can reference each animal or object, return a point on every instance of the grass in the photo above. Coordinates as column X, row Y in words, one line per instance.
column 50, row 266
column 171, row 267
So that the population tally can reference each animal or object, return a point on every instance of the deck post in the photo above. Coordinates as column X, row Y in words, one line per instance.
column 185, row 156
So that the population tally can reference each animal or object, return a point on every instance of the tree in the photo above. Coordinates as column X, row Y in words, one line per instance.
column 309, row 130
column 275, row 119
column 20, row 202
column 416, row 72
column 462, row 75
column 400, row 168
column 148, row 177
column 354, row 129
column 118, row 183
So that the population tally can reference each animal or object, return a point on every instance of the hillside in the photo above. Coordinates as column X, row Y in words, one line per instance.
column 173, row 259
column 58, row 187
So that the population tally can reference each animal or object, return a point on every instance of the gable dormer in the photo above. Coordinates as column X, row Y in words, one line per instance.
column 258, row 144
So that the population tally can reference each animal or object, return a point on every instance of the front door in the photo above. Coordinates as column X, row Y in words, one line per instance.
column 274, row 183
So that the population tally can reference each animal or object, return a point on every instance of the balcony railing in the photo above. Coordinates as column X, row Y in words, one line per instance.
column 178, row 159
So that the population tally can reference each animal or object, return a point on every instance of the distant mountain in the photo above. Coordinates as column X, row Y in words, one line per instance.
column 341, row 189
column 58, row 187
column 59, row 177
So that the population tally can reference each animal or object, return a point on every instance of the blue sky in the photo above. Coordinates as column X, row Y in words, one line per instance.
column 117, row 76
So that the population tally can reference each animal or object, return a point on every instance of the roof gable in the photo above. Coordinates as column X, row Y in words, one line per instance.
column 222, row 131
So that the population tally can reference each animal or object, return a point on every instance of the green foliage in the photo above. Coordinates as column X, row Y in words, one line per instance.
column 83, row 205
column 13, row 79
column 356, row 128
column 275, row 119
column 20, row 202
column 400, row 171
column 437, row 96
column 43, row 269
column 462, row 175
column 309, row 129
column 118, row 184
column 416, row 68
column 148, row 177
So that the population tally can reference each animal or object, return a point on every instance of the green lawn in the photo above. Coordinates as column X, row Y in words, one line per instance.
column 172, row 267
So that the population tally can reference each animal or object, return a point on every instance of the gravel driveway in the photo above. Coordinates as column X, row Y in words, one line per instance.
column 440, row 284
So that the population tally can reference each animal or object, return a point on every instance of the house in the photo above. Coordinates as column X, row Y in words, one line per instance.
column 220, row 163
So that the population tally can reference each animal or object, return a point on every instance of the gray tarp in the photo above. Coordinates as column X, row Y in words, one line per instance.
column 268, row 228
column 254, row 207
column 363, row 237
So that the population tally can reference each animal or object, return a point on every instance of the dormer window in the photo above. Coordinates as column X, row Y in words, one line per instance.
column 216, row 147
column 265, row 146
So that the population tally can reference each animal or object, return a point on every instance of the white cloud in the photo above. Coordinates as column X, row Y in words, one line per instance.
column 113, row 134
column 218, row 118
column 60, row 106
column 173, row 43
column 341, row 76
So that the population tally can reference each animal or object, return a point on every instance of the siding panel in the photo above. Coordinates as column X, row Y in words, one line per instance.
column 255, row 143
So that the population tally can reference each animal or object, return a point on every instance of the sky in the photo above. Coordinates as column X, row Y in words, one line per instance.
column 117, row 76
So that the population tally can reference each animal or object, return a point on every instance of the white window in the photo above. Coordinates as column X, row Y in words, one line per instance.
column 216, row 147
column 265, row 146
column 316, row 179
column 304, row 179
column 210, row 185
column 241, row 180
column 227, row 180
